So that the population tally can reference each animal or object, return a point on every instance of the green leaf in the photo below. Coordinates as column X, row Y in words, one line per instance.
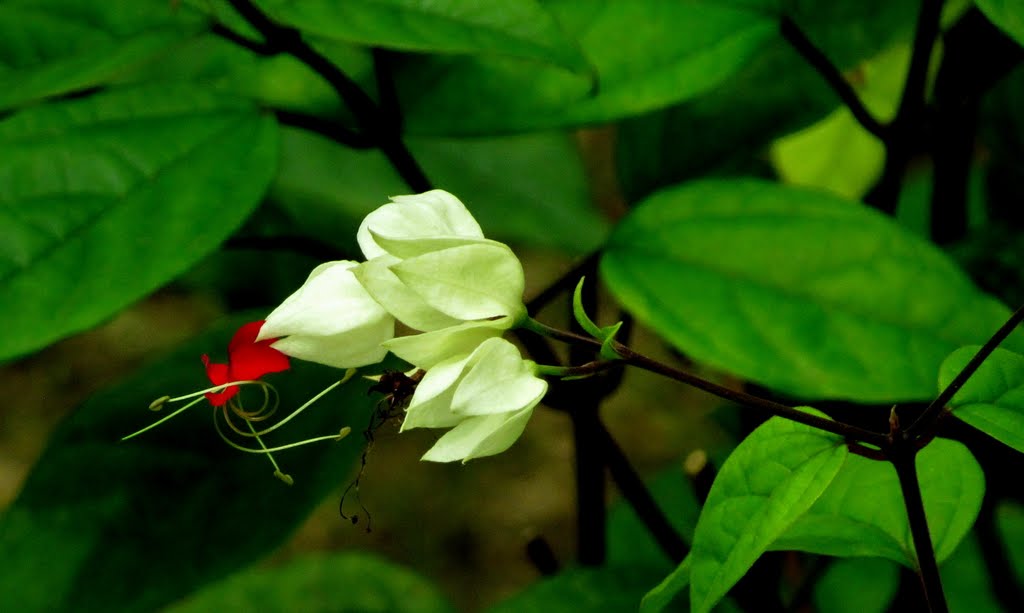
column 726, row 130
column 1007, row 14
column 862, row 512
column 52, row 47
column 769, row 480
column 517, row 28
column 132, row 526
column 349, row 581
column 647, row 53
column 107, row 198
column 662, row 594
column 992, row 400
column 526, row 189
column 585, row 590
column 797, row 290
column 857, row 585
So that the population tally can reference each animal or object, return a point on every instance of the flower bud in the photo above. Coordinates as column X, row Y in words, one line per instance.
column 331, row 320
column 486, row 397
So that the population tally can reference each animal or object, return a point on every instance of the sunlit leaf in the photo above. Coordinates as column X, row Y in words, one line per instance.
column 517, row 28
column 769, row 480
column 132, row 526
column 647, row 53
column 795, row 289
column 846, row 521
column 107, row 198
column 350, row 581
column 992, row 400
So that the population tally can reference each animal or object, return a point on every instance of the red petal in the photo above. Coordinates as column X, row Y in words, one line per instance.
column 251, row 360
column 254, row 361
column 246, row 335
column 218, row 374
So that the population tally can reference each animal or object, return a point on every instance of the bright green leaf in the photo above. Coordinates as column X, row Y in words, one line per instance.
column 1007, row 14
column 525, row 189
column 662, row 594
column 134, row 185
column 647, row 53
column 585, row 590
column 992, row 400
column 349, row 581
column 517, row 28
column 52, row 47
column 132, row 526
column 857, row 585
column 769, row 480
column 862, row 512
column 797, row 290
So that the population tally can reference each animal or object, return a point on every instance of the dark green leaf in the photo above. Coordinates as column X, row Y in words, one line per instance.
column 132, row 526
column 527, row 189
column 1010, row 520
column 725, row 130
column 647, row 53
column 107, row 198
column 52, row 47
column 630, row 542
column 797, row 290
column 769, row 480
column 584, row 590
column 992, row 400
column 350, row 582
column 862, row 512
column 1007, row 14
column 857, row 585
column 965, row 580
column 517, row 28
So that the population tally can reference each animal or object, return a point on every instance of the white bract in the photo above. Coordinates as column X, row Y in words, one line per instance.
column 430, row 266
column 486, row 397
column 331, row 320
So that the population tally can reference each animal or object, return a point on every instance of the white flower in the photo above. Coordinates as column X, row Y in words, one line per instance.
column 486, row 397
column 331, row 320
column 430, row 266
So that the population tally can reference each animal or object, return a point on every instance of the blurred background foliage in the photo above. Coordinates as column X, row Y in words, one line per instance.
column 165, row 166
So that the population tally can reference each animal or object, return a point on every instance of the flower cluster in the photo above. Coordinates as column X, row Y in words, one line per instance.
column 428, row 266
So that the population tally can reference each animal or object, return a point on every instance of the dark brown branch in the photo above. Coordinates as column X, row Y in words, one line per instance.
column 638, row 497
column 925, row 424
column 326, row 128
column 902, row 457
column 634, row 358
column 828, row 71
column 257, row 47
column 372, row 122
column 907, row 130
